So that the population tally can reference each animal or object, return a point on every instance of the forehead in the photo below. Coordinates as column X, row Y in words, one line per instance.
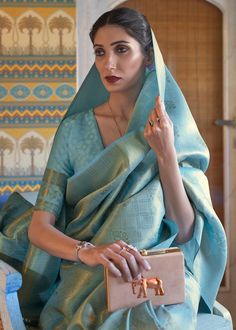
column 108, row 34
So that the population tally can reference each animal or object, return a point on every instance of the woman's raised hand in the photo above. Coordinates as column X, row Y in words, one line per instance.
column 121, row 259
column 159, row 131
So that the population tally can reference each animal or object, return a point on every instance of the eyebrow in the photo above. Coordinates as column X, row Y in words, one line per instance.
column 113, row 43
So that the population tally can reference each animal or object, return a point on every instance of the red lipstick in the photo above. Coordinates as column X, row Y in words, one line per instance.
column 112, row 79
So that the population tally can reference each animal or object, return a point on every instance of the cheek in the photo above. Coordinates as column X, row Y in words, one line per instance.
column 135, row 66
column 98, row 65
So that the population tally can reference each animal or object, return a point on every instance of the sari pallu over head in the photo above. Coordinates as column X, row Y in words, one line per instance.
column 128, row 166
column 119, row 196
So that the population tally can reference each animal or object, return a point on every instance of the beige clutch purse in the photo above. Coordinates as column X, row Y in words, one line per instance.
column 163, row 284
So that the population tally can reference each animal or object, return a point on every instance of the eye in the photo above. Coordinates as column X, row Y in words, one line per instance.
column 122, row 49
column 99, row 52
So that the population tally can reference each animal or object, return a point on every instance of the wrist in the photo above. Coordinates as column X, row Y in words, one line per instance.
column 168, row 157
column 79, row 246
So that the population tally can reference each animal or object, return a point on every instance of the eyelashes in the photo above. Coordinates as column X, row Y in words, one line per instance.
column 122, row 49
column 99, row 52
column 119, row 49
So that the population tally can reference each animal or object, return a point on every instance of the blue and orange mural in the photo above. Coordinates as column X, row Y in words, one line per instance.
column 37, row 83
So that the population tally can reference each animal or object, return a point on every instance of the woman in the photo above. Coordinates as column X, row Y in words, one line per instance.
column 121, row 177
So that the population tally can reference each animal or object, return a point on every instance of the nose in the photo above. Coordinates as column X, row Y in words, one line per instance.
column 110, row 62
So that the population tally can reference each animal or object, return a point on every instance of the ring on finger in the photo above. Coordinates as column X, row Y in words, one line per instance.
column 122, row 250
column 151, row 122
column 130, row 248
column 159, row 119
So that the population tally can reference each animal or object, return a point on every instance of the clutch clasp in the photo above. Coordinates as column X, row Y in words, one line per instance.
column 145, row 253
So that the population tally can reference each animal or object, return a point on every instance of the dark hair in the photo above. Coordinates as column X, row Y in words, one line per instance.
column 133, row 22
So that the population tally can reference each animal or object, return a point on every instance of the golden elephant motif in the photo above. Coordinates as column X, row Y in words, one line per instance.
column 148, row 283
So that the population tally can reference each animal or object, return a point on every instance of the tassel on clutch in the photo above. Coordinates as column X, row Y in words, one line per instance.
column 164, row 284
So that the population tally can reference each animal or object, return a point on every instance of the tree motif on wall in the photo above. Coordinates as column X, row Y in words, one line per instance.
column 32, row 144
column 30, row 23
column 6, row 146
column 60, row 23
column 5, row 24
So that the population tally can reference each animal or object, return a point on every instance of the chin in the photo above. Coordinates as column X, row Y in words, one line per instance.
column 113, row 88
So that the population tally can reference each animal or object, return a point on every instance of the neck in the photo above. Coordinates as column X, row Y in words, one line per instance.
column 122, row 108
column 122, row 104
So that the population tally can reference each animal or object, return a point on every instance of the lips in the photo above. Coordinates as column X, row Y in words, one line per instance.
column 112, row 79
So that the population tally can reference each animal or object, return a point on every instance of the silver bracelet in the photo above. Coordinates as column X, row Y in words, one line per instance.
column 80, row 245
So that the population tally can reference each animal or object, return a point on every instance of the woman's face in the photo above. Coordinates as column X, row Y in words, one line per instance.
column 119, row 59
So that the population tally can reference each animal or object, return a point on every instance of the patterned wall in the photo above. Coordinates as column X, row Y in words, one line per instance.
column 37, row 83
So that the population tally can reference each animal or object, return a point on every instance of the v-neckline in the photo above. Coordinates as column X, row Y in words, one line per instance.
column 99, row 132
column 97, row 128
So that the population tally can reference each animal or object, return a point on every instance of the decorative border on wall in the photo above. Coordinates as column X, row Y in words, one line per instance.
column 37, row 68
column 23, row 184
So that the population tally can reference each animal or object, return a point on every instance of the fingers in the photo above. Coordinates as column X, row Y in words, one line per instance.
column 153, row 125
column 158, row 118
column 134, row 259
column 160, row 108
column 123, row 260
column 159, row 131
column 110, row 266
column 125, row 263
column 141, row 260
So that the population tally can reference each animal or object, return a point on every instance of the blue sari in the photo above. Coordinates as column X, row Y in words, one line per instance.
column 103, row 194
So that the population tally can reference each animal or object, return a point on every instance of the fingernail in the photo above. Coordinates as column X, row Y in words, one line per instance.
column 138, row 277
column 129, row 279
column 146, row 265
column 118, row 273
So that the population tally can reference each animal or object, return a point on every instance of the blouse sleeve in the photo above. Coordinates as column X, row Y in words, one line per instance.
column 52, row 190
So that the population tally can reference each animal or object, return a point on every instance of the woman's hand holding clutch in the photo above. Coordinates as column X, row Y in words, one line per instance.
column 121, row 259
